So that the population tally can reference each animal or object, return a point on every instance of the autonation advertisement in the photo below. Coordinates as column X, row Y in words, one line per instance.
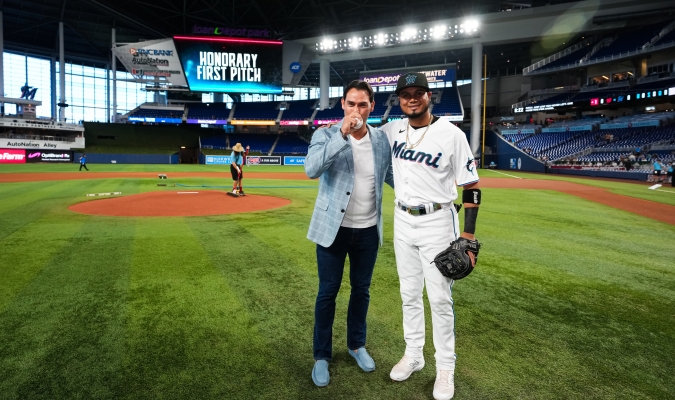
column 34, row 156
column 217, row 64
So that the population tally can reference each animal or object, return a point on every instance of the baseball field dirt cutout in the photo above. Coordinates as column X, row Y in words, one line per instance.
column 178, row 204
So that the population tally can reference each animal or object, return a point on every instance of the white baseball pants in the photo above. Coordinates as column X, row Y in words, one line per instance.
column 417, row 240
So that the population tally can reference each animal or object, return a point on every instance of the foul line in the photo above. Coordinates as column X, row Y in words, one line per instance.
column 512, row 176
column 667, row 191
column 249, row 187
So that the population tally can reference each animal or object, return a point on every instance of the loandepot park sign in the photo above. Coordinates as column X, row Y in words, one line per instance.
column 232, row 32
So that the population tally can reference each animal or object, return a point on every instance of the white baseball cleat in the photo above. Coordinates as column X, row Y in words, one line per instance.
column 406, row 367
column 444, row 388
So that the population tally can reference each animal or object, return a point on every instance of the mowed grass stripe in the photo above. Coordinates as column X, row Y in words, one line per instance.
column 580, row 237
column 28, row 250
column 61, row 336
column 275, row 268
column 188, row 335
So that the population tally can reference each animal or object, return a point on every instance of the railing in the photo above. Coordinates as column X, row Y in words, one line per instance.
column 38, row 137
column 558, row 55
column 604, row 59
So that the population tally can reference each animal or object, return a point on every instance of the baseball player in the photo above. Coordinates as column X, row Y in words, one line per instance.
column 430, row 156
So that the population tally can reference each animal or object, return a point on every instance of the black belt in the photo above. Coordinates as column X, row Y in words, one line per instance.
column 420, row 210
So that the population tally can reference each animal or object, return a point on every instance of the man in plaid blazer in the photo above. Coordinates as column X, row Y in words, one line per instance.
column 353, row 161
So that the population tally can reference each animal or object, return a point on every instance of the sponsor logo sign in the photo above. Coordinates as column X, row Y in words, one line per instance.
column 433, row 76
column 222, row 31
column 218, row 160
column 150, row 61
column 288, row 160
column 263, row 160
column 326, row 121
column 39, row 144
column 156, row 120
column 207, row 121
column 295, row 67
column 293, row 123
column 12, row 156
column 515, row 131
column 33, row 156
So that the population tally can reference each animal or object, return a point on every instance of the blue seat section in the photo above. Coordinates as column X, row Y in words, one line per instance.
column 537, row 144
column 630, row 41
column 575, row 144
column 449, row 104
column 216, row 142
column 208, row 111
column 380, row 106
column 298, row 110
column 290, row 143
column 637, row 137
column 259, row 143
column 259, row 110
column 151, row 113
column 331, row 113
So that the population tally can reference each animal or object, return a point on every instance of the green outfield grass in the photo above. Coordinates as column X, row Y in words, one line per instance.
column 571, row 299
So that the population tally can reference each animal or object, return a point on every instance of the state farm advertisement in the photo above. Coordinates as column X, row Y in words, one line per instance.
column 34, row 156
column 12, row 156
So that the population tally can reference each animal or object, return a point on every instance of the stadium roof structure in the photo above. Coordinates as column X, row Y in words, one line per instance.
column 31, row 26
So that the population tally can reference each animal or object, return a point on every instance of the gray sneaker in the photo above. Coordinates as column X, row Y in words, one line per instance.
column 406, row 367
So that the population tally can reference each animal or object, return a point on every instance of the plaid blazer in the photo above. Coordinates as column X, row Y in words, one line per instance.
column 330, row 158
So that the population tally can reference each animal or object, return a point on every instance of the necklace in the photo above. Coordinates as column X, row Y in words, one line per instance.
column 407, row 138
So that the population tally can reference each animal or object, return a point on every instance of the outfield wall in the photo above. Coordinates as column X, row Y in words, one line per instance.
column 128, row 158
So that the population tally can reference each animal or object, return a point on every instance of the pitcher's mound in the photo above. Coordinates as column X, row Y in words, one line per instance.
column 178, row 204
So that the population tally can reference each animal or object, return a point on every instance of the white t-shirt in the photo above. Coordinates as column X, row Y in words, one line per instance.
column 429, row 172
column 361, row 210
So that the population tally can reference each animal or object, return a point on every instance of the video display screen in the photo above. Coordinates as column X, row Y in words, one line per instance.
column 230, row 65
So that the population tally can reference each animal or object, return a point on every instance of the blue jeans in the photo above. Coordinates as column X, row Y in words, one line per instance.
column 361, row 244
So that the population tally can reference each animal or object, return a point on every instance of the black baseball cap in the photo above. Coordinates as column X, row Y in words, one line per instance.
column 412, row 79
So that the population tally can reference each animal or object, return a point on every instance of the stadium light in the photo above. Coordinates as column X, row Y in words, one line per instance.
column 408, row 35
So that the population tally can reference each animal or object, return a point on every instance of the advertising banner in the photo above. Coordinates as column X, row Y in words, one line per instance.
column 222, row 160
column 156, row 120
column 152, row 59
column 218, row 64
column 207, row 121
column 288, row 160
column 34, row 156
column 263, row 160
column 515, row 131
column 293, row 123
column 391, row 78
column 326, row 121
column 637, row 124
column 568, row 128
column 39, row 144
column 12, row 156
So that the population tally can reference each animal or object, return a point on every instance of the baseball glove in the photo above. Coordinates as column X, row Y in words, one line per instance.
column 454, row 262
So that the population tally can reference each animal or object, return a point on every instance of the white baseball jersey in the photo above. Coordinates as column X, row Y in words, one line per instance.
column 429, row 172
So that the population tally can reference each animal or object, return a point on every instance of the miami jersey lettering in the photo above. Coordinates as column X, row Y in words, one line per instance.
column 430, row 171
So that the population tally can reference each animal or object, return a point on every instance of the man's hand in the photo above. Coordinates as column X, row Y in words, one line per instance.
column 351, row 123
